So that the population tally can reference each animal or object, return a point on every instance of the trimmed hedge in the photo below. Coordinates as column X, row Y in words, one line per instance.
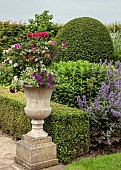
column 86, row 39
column 10, row 33
column 78, row 78
column 68, row 127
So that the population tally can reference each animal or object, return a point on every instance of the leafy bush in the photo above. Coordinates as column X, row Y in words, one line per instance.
column 86, row 38
column 68, row 127
column 105, row 111
column 6, row 75
column 42, row 22
column 10, row 33
column 78, row 78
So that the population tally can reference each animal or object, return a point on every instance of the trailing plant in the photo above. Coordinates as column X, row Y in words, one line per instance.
column 105, row 111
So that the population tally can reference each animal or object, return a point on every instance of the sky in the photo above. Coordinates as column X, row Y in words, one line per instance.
column 106, row 11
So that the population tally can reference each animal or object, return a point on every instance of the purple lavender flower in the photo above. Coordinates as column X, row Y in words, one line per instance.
column 80, row 102
column 84, row 99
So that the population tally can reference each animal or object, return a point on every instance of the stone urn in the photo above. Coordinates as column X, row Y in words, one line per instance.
column 37, row 108
column 36, row 150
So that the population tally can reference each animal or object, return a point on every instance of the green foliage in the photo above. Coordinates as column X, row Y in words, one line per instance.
column 87, row 39
column 77, row 78
column 42, row 22
column 10, row 33
column 6, row 75
column 68, row 127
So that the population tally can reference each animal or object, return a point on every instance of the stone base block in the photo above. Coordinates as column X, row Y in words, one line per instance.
column 36, row 153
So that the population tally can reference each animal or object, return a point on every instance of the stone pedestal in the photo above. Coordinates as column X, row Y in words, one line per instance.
column 36, row 153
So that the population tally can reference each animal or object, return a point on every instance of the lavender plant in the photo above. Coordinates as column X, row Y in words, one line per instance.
column 105, row 111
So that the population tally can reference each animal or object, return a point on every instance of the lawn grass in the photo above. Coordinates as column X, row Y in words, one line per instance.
column 107, row 162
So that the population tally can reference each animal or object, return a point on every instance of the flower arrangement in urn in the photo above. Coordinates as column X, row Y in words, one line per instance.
column 31, row 59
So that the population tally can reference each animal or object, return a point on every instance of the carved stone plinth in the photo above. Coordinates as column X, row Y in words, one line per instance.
column 36, row 153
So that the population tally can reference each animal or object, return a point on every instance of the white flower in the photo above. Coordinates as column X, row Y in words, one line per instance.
column 10, row 61
column 15, row 65
column 12, row 46
column 15, row 78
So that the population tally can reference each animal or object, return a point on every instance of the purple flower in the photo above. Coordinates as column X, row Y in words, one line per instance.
column 41, row 82
column 84, row 99
column 44, row 72
column 97, row 105
column 12, row 90
column 38, row 78
column 34, row 74
column 50, row 84
column 50, row 79
column 50, row 74
column 80, row 102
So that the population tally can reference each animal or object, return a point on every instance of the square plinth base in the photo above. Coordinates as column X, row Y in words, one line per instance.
column 35, row 154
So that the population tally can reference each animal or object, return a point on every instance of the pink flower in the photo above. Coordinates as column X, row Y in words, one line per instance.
column 15, row 65
column 32, row 45
column 15, row 78
column 52, row 42
column 43, row 34
column 34, row 49
column 17, row 46
column 30, row 34
column 64, row 45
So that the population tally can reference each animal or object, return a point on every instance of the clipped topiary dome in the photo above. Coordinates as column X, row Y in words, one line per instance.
column 86, row 38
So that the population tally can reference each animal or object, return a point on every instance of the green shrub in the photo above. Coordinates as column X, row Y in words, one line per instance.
column 10, row 33
column 68, row 127
column 6, row 75
column 42, row 22
column 86, row 38
column 77, row 78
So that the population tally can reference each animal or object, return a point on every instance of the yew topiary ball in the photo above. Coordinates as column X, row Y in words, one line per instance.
column 87, row 39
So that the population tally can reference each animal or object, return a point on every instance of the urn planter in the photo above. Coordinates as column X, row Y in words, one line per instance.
column 38, row 108
column 36, row 149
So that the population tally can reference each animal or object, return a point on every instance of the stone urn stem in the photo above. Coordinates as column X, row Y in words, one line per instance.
column 37, row 129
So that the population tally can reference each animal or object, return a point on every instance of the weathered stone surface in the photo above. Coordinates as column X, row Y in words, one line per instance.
column 7, row 151
column 36, row 155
